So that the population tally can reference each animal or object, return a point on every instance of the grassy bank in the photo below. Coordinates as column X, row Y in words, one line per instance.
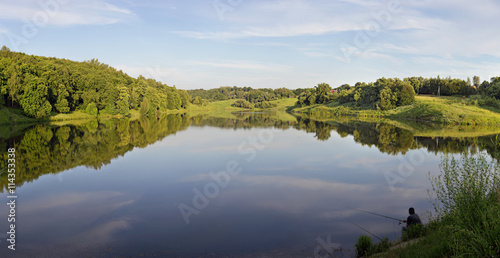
column 431, row 109
column 9, row 116
column 467, row 213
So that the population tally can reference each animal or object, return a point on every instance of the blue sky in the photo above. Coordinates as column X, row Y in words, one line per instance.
column 256, row 43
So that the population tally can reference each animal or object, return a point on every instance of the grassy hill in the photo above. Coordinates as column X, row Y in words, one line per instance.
column 443, row 110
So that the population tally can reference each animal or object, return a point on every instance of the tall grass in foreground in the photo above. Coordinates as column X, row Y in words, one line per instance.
column 467, row 205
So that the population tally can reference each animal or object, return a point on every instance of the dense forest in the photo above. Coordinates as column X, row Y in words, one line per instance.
column 52, row 149
column 41, row 86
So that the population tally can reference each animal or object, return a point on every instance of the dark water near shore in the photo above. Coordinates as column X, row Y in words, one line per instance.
column 246, row 185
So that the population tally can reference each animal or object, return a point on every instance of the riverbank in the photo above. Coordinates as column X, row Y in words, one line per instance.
column 10, row 116
column 426, row 109
column 467, row 217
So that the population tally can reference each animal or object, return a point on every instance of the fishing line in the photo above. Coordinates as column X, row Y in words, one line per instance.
column 365, row 230
column 373, row 213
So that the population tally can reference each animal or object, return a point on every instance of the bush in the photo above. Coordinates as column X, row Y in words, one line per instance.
column 243, row 104
column 91, row 109
column 468, row 205
column 380, row 247
column 363, row 246
column 489, row 102
column 265, row 104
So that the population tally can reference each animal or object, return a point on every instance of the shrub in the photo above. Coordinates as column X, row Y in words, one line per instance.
column 91, row 109
column 363, row 246
column 414, row 231
column 489, row 102
column 468, row 204
column 243, row 104
column 382, row 246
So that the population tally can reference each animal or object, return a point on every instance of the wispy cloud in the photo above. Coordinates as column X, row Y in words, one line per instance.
column 66, row 13
column 244, row 65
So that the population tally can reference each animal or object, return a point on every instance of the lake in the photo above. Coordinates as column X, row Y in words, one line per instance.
column 233, row 185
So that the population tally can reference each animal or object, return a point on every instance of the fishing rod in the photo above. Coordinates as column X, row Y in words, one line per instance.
column 373, row 213
column 365, row 230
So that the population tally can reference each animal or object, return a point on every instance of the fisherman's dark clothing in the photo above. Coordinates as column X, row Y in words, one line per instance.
column 413, row 219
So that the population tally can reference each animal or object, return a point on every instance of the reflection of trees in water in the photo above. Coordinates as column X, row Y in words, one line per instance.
column 321, row 129
column 44, row 149
column 387, row 138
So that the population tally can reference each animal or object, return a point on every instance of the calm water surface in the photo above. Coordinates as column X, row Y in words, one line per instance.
column 251, row 185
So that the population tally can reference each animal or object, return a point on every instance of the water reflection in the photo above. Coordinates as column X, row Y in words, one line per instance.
column 116, row 185
column 46, row 149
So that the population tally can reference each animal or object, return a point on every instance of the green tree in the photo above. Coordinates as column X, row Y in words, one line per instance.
column 198, row 100
column 323, row 93
column 185, row 98
column 62, row 103
column 34, row 99
column 174, row 100
column 123, row 103
column 476, row 80
column 388, row 99
column 144, row 106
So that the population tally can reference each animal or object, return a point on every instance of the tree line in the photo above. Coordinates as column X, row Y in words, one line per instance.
column 386, row 94
column 42, row 86
column 383, row 94
column 246, row 97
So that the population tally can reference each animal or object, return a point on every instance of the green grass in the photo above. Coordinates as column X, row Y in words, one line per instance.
column 14, row 115
column 466, row 198
column 442, row 110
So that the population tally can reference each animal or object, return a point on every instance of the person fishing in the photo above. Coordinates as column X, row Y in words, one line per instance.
column 413, row 219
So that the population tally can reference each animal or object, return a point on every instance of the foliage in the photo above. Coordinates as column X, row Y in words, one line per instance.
column 91, row 109
column 243, row 104
column 249, row 94
column 384, row 94
column 382, row 246
column 439, row 86
column 144, row 106
column 41, row 85
column 265, row 104
column 363, row 246
column 467, row 202
column 415, row 231
column 321, row 94
column 198, row 101
column 440, row 110
column 34, row 99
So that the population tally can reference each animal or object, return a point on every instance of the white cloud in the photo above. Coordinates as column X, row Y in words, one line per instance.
column 65, row 12
column 154, row 72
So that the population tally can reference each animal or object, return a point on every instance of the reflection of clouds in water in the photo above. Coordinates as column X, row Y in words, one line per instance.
column 275, row 169
column 102, row 233
column 315, row 198
column 86, row 217
column 303, row 183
